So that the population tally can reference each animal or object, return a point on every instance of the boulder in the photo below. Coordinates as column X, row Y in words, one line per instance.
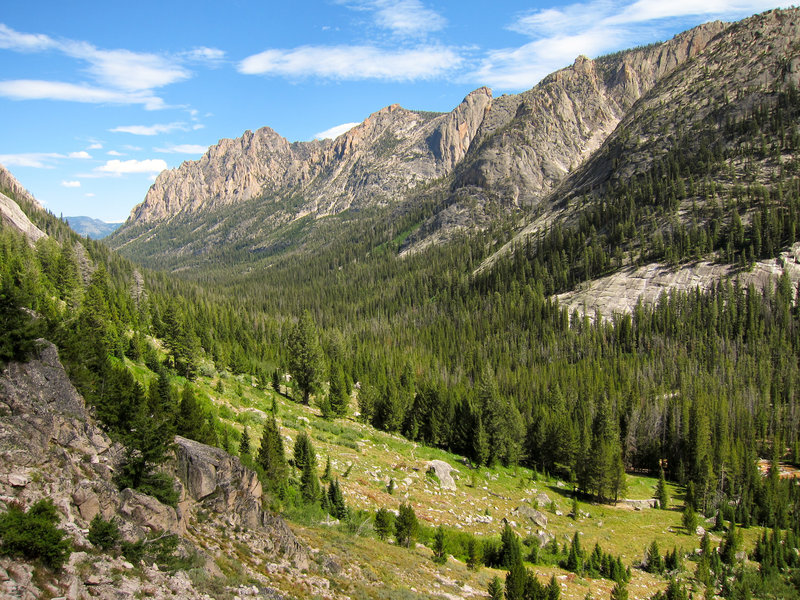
column 148, row 513
column 443, row 471
column 531, row 514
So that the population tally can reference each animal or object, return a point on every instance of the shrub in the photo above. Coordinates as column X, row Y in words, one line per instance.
column 33, row 534
column 103, row 534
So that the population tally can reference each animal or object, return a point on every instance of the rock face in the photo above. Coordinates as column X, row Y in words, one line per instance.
column 50, row 447
column 11, row 214
column 378, row 161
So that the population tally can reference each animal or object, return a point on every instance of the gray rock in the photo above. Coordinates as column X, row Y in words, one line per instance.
column 443, row 472
column 532, row 515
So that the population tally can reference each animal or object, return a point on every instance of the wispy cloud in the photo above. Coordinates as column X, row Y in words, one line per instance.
column 119, row 76
column 96, row 146
column 79, row 154
column 408, row 18
column 120, row 167
column 212, row 57
column 71, row 184
column 335, row 131
column 33, row 89
column 24, row 42
column 36, row 160
column 559, row 35
column 114, row 153
column 183, row 149
column 353, row 63
column 151, row 129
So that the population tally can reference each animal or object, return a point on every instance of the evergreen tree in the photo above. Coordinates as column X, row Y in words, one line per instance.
column 619, row 592
column 575, row 556
column 306, row 361
column 384, row 523
column 439, row 554
column 516, row 580
column 309, row 481
column 244, row 443
column 689, row 520
column 653, row 561
column 328, row 474
column 474, row 558
column 272, row 459
column 303, row 451
column 496, row 589
column 510, row 552
column 553, row 589
column 336, row 502
column 405, row 525
column 190, row 418
column 337, row 396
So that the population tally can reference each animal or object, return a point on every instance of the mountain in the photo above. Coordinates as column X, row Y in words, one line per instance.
column 508, row 151
column 12, row 193
column 94, row 228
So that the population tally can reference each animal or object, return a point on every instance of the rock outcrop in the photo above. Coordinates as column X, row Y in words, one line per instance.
column 50, row 447
column 378, row 161
column 11, row 214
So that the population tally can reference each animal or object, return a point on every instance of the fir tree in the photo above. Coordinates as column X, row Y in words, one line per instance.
column 306, row 361
column 309, row 481
column 384, row 523
column 336, row 502
column 474, row 558
column 244, row 443
column 495, row 589
column 272, row 459
column 405, row 525
column 439, row 554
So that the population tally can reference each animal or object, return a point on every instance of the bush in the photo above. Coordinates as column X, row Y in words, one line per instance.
column 103, row 534
column 33, row 534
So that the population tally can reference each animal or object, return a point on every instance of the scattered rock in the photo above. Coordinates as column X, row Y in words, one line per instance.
column 443, row 472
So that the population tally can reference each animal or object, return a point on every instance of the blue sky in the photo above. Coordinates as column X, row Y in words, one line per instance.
column 97, row 98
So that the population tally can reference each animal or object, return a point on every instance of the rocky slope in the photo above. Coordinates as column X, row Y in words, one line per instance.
column 50, row 447
column 11, row 214
column 512, row 150
column 378, row 161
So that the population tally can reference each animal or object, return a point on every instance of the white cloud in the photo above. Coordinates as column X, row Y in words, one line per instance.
column 558, row 35
column 33, row 89
column 114, row 153
column 71, row 184
column 210, row 56
column 402, row 17
column 96, row 146
column 183, row 149
column 120, row 167
column 89, row 195
column 121, row 76
column 335, row 131
column 36, row 160
column 24, row 42
column 151, row 129
column 353, row 62
column 79, row 154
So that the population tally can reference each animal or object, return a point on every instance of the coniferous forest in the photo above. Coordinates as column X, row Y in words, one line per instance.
column 475, row 357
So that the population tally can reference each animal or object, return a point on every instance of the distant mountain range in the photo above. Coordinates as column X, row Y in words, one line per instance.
column 94, row 228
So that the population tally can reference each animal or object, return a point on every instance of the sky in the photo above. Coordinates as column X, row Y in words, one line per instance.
column 96, row 98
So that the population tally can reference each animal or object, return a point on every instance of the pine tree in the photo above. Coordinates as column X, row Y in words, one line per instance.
column 495, row 589
column 336, row 503
column 328, row 474
column 575, row 556
column 309, row 481
column 384, row 523
column 553, row 589
column 303, row 451
column 474, row 558
column 439, row 554
column 510, row 552
column 689, row 520
column 244, row 444
column 620, row 592
column 405, row 525
column 516, row 580
column 337, row 396
column 306, row 361
column 272, row 459
column 653, row 560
